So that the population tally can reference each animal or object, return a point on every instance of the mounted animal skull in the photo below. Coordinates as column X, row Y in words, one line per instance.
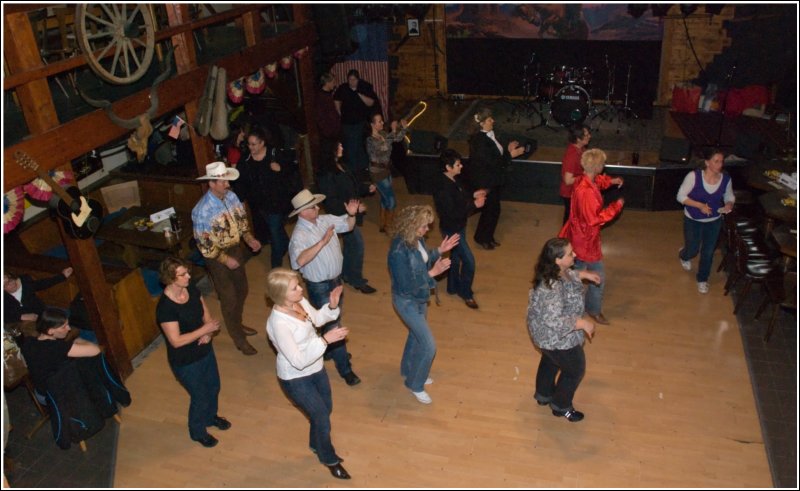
column 137, row 142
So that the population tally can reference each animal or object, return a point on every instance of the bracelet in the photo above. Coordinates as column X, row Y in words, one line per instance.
column 348, row 214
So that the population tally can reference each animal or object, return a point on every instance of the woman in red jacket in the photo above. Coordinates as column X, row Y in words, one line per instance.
column 586, row 217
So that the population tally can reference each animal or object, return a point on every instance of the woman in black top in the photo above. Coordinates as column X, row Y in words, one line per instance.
column 340, row 185
column 268, row 179
column 188, row 328
column 47, row 353
column 454, row 205
column 488, row 160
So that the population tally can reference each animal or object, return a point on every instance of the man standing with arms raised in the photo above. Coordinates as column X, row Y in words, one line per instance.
column 220, row 226
column 314, row 249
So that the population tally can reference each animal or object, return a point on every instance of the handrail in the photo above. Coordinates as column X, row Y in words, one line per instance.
column 15, row 80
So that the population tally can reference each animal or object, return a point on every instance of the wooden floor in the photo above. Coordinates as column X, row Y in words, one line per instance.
column 667, row 395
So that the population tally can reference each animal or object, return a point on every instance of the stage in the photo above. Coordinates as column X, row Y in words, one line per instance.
column 649, row 185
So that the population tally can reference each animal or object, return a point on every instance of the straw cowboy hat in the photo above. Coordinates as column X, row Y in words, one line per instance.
column 217, row 170
column 305, row 199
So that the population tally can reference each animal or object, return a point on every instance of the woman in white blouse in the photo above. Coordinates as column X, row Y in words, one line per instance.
column 300, row 369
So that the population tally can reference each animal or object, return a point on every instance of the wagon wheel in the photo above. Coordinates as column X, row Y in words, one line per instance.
column 118, row 42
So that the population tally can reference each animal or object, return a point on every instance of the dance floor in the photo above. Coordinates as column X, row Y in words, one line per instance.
column 667, row 394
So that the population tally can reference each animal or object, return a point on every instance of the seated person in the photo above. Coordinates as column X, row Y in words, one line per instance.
column 50, row 351
column 20, row 302
column 75, row 380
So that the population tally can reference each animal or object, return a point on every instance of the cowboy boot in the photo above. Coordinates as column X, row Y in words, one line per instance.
column 389, row 220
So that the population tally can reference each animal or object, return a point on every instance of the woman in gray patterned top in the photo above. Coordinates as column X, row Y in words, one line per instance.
column 379, row 149
column 557, row 326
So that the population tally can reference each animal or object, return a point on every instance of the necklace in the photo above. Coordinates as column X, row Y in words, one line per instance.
column 295, row 311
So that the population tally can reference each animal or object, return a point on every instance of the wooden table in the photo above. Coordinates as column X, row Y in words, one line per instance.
column 787, row 243
column 148, row 243
column 775, row 210
column 754, row 173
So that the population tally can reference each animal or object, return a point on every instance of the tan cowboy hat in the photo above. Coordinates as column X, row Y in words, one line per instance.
column 218, row 170
column 305, row 199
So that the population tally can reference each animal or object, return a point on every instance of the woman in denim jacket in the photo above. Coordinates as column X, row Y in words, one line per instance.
column 413, row 267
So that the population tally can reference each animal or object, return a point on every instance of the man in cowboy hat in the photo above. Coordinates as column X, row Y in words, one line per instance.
column 314, row 250
column 220, row 225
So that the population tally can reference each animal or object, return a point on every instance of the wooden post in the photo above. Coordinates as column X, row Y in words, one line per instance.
column 307, row 82
column 40, row 114
column 186, row 61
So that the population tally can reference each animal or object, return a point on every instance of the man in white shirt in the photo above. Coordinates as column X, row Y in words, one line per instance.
column 315, row 251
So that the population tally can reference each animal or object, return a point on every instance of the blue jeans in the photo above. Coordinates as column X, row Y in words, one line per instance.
column 462, row 267
column 572, row 363
column 201, row 381
column 594, row 294
column 420, row 347
column 700, row 237
column 312, row 395
column 386, row 192
column 279, row 239
column 353, row 252
column 355, row 147
column 319, row 295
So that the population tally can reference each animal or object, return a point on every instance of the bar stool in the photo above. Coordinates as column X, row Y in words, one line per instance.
column 781, row 291
column 755, row 265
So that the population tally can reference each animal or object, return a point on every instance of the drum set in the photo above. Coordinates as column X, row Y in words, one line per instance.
column 567, row 90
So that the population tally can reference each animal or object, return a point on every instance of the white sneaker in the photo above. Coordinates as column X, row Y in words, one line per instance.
column 423, row 397
column 686, row 265
column 702, row 286
column 429, row 381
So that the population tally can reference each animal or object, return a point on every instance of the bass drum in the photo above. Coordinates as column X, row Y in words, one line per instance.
column 570, row 105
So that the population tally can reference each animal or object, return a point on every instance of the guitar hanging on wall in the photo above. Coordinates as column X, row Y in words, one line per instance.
column 80, row 216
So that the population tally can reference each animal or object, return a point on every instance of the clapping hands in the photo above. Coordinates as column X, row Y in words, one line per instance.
column 334, row 297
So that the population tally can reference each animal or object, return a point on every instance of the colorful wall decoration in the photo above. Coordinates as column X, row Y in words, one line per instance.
column 589, row 22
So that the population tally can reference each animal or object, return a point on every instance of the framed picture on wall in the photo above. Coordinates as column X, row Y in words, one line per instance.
column 413, row 27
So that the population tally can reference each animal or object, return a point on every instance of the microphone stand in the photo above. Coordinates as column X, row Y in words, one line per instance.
column 729, row 79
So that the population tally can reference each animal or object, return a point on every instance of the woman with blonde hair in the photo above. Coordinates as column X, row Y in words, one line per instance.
column 582, row 229
column 413, row 267
column 300, row 369
column 488, row 160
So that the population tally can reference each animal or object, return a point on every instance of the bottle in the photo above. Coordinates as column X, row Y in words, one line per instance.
column 635, row 158
column 173, row 223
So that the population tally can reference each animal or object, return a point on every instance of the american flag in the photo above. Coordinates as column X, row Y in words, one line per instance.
column 175, row 127
column 371, row 60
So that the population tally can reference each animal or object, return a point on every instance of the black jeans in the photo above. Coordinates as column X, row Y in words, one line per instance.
column 490, row 215
column 572, row 363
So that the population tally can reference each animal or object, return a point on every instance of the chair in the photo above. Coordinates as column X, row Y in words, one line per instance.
column 23, row 377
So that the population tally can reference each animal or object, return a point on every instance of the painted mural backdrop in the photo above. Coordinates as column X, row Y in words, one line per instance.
column 592, row 22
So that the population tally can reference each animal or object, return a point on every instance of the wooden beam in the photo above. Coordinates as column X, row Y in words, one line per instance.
column 308, row 84
column 40, row 114
column 98, row 299
column 90, row 131
column 21, row 53
column 74, row 62
column 186, row 61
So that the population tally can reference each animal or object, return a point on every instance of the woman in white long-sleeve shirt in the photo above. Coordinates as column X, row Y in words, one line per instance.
column 300, row 368
column 706, row 194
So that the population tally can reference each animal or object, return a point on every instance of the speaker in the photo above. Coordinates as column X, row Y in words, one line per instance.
column 427, row 142
column 333, row 29
column 675, row 150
